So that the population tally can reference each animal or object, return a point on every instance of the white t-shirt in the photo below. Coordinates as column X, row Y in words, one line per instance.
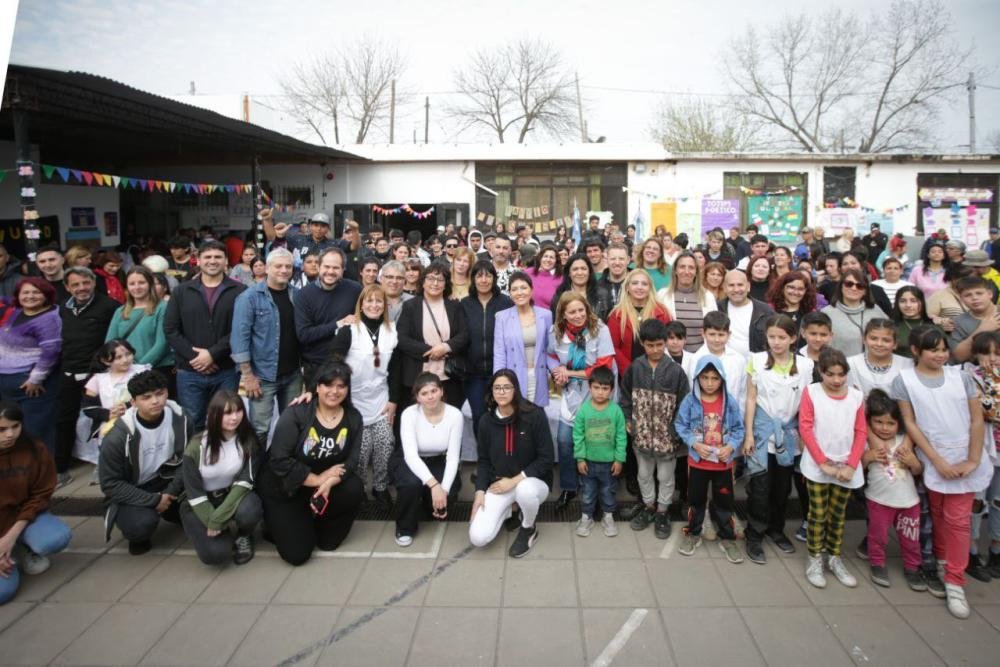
column 422, row 438
column 779, row 393
column 156, row 446
column 113, row 389
column 220, row 475
column 891, row 484
column 891, row 288
column 739, row 327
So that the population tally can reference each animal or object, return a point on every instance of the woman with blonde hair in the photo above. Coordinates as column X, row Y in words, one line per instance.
column 78, row 255
column 638, row 303
column 687, row 300
column 713, row 277
column 461, row 272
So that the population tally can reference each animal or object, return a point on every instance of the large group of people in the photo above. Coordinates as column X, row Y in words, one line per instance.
column 222, row 386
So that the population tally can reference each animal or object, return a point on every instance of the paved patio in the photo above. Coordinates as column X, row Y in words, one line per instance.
column 629, row 600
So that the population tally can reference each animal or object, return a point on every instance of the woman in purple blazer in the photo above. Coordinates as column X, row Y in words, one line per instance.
column 520, row 338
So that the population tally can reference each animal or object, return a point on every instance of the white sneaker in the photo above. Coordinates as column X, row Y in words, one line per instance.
column 814, row 571
column 610, row 529
column 403, row 540
column 30, row 562
column 958, row 606
column 840, row 571
column 584, row 526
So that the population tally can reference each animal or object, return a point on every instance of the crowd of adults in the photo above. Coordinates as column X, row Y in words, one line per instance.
column 218, row 386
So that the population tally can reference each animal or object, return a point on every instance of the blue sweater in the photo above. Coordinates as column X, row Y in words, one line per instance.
column 316, row 313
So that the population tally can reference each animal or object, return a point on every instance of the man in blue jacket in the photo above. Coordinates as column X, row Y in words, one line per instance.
column 264, row 343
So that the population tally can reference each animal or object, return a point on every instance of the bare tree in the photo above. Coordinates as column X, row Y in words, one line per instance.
column 835, row 82
column 352, row 83
column 520, row 87
column 693, row 126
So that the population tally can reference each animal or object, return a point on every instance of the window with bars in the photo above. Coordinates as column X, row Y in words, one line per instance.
column 839, row 183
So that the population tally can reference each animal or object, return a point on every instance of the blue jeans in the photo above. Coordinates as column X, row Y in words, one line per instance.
column 45, row 535
column 569, row 479
column 40, row 414
column 284, row 388
column 195, row 390
column 597, row 482
column 475, row 391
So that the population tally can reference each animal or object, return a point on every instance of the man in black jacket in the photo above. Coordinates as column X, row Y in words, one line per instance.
column 86, row 316
column 747, row 317
column 198, row 322
column 321, row 307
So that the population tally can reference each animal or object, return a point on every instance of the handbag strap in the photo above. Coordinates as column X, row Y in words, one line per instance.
column 135, row 323
column 434, row 321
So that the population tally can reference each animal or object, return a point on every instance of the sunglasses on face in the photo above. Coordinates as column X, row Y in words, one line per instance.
column 855, row 285
column 450, row 245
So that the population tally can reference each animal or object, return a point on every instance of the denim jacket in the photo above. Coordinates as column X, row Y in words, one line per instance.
column 257, row 330
column 691, row 415
column 786, row 441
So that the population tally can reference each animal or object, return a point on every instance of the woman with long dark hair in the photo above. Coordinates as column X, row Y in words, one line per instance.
column 218, row 468
column 480, row 309
column 546, row 275
column 851, row 311
column 910, row 312
column 520, row 340
column 29, row 532
column 515, row 464
column 579, row 277
column 761, row 276
column 793, row 295
column 310, row 492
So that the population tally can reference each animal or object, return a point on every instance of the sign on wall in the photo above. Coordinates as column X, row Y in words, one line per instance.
column 778, row 217
column 722, row 213
column 12, row 234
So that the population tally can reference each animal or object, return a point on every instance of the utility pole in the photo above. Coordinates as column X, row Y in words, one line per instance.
column 579, row 109
column 427, row 116
column 26, row 176
column 392, row 112
column 971, row 86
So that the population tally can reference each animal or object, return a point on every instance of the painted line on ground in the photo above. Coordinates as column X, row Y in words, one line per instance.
column 668, row 548
column 378, row 611
column 618, row 642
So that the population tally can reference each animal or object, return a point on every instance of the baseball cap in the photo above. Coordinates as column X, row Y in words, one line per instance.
column 977, row 258
column 320, row 219
column 875, row 225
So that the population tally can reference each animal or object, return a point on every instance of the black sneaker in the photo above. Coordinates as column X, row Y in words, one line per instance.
column 243, row 549
column 861, row 551
column 880, row 576
column 564, row 499
column 522, row 543
column 782, row 542
column 139, row 548
column 934, row 584
column 993, row 565
column 915, row 580
column 661, row 526
column 755, row 551
column 629, row 512
column 976, row 570
column 642, row 520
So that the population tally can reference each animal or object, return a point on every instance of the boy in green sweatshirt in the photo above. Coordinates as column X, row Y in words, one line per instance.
column 599, row 441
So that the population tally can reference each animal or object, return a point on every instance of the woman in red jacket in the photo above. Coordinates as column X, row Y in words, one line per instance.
column 638, row 302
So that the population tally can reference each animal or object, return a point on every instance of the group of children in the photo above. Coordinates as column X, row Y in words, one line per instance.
column 913, row 439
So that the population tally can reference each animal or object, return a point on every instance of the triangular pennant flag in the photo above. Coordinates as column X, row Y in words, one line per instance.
column 143, row 184
column 98, row 178
column 116, row 180
column 48, row 170
column 107, row 179
column 77, row 174
column 88, row 177
column 171, row 186
column 64, row 173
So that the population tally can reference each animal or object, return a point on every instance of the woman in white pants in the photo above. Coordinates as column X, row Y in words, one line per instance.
column 515, row 464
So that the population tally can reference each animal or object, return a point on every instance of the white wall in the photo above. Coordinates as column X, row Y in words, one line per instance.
column 55, row 199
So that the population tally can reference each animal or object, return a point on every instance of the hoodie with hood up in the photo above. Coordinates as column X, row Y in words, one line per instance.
column 511, row 445
column 691, row 415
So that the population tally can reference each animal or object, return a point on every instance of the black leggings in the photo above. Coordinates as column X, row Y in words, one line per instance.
column 412, row 495
column 767, row 499
column 297, row 531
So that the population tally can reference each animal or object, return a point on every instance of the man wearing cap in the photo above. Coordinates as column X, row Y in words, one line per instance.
column 981, row 266
column 301, row 245
column 804, row 249
column 875, row 241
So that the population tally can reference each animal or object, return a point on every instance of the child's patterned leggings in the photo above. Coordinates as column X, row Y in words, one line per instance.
column 827, row 513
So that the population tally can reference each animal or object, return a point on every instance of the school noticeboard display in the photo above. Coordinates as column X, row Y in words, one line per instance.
column 969, row 223
column 778, row 217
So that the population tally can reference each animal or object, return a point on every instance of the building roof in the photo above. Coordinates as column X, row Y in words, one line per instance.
column 624, row 152
column 94, row 122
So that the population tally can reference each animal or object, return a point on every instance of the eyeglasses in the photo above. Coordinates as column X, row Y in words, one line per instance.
column 850, row 284
column 503, row 388
column 433, row 279
column 387, row 276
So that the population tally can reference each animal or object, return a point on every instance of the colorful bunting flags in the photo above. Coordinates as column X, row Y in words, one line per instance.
column 405, row 208
column 847, row 202
column 757, row 192
column 93, row 178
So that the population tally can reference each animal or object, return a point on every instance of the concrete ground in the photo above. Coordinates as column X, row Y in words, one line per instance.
column 628, row 600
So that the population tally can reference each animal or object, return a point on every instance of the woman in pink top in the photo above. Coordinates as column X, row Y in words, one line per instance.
column 929, row 274
column 546, row 274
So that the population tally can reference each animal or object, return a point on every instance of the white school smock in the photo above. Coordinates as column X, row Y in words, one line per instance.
column 942, row 415
column 861, row 376
column 778, row 394
column 834, row 431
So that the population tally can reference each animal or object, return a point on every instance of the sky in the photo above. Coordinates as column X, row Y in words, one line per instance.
column 229, row 48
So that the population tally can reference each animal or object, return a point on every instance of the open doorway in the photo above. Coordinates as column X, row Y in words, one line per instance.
column 395, row 216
